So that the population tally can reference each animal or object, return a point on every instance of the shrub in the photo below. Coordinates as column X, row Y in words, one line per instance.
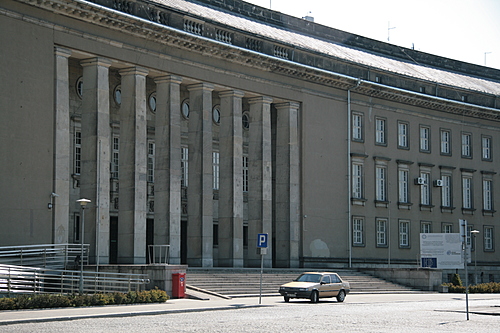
column 456, row 280
column 33, row 301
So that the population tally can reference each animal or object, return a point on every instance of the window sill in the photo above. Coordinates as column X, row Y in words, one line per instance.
column 405, row 205
column 488, row 212
column 468, row 211
column 446, row 209
column 358, row 201
column 427, row 208
column 380, row 203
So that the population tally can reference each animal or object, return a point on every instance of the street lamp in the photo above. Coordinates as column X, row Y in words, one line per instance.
column 474, row 233
column 83, row 203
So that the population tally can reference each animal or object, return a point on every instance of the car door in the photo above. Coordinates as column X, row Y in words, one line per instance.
column 325, row 288
column 336, row 284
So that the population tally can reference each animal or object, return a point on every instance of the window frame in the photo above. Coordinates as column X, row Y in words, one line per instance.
column 357, row 180
column 487, row 195
column 358, row 237
column 488, row 238
column 403, row 135
column 381, row 132
column 466, row 144
column 404, row 235
column 381, row 183
column 215, row 170
column 445, row 144
column 151, row 161
column 424, row 225
column 357, row 133
column 486, row 149
column 467, row 192
column 115, row 157
column 184, row 166
column 447, row 191
column 425, row 141
column 381, row 235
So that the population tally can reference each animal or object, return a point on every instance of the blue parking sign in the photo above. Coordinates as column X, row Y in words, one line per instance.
column 262, row 240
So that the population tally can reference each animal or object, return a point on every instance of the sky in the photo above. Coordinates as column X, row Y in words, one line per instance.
column 465, row 30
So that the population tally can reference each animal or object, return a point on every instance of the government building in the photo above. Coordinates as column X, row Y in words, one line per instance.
column 200, row 124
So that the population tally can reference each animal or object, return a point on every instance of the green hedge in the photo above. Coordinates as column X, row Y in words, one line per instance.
column 35, row 301
column 483, row 288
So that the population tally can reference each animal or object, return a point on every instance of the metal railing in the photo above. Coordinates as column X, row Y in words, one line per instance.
column 18, row 279
column 58, row 256
column 159, row 254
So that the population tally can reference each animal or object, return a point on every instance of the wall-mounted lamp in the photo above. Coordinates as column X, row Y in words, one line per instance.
column 51, row 203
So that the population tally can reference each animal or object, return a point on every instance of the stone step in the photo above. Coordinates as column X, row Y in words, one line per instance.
column 244, row 282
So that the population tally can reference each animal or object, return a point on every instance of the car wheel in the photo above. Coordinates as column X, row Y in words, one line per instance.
column 287, row 299
column 314, row 297
column 341, row 296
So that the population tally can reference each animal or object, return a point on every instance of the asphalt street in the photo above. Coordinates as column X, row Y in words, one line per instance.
column 423, row 312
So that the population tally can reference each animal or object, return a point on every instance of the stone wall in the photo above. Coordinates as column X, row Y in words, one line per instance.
column 423, row 279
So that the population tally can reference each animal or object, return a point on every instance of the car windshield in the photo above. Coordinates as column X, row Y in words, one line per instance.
column 309, row 278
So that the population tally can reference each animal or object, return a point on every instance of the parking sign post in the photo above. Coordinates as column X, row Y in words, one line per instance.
column 262, row 249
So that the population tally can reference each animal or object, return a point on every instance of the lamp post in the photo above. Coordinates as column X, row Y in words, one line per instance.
column 83, row 203
column 474, row 233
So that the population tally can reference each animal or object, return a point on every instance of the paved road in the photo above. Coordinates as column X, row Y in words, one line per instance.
column 360, row 313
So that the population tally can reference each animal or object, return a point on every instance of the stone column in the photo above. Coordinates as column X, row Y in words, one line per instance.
column 259, row 179
column 287, row 186
column 200, row 188
column 62, row 149
column 168, row 165
column 231, row 180
column 133, row 168
column 94, row 179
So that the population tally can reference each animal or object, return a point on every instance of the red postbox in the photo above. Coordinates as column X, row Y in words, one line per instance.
column 178, row 285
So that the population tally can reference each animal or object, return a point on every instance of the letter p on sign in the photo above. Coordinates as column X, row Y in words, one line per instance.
column 262, row 240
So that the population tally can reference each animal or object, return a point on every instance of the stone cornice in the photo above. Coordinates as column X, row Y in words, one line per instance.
column 139, row 27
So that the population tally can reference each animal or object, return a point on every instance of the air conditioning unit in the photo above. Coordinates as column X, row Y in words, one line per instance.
column 438, row 182
column 419, row 181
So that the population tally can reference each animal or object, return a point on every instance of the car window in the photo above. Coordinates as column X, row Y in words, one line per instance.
column 326, row 279
column 309, row 278
column 335, row 278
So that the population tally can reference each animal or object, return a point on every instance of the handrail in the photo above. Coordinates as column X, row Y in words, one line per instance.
column 44, row 255
column 159, row 254
column 20, row 279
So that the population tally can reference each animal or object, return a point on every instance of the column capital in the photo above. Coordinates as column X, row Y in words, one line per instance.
column 287, row 105
column 201, row 86
column 260, row 99
column 134, row 71
column 96, row 61
column 231, row 93
column 62, row 52
column 168, row 79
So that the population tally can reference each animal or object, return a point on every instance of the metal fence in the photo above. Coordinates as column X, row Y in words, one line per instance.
column 20, row 279
column 57, row 256
column 159, row 254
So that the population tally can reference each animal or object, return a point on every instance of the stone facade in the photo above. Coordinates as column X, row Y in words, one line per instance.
column 200, row 124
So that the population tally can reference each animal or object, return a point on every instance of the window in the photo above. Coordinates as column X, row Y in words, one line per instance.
column 151, row 161
column 446, row 191
column 381, row 232
column 78, row 152
column 467, row 192
column 115, row 157
column 403, row 179
column 184, row 166
column 357, row 127
column 447, row 228
column 380, row 131
column 357, row 231
column 425, row 189
column 445, row 142
column 486, row 148
column 468, row 239
column 215, row 168
column 425, row 227
column 381, row 186
column 466, row 145
column 245, row 173
column 404, row 234
column 425, row 134
column 487, row 194
column 357, row 181
column 403, row 135
column 488, row 238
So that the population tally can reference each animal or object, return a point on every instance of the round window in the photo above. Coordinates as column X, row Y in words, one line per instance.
column 152, row 102
column 185, row 108
column 117, row 95
column 79, row 87
column 216, row 114
column 245, row 120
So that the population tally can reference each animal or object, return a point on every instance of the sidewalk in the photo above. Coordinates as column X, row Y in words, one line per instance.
column 194, row 305
column 171, row 306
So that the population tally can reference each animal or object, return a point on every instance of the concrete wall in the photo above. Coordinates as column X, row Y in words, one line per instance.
column 423, row 279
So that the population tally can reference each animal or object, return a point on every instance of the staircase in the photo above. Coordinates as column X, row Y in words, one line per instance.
column 245, row 282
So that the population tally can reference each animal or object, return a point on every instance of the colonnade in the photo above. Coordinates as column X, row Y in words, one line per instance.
column 273, row 207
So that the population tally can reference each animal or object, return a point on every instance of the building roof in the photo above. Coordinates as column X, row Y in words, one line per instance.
column 337, row 50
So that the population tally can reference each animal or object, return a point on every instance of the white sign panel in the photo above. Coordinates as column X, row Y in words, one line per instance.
column 442, row 251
